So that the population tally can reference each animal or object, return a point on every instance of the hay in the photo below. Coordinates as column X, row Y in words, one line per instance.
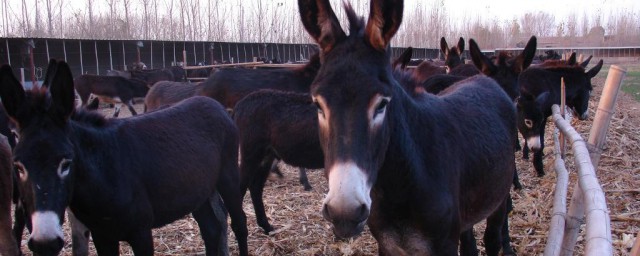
column 301, row 230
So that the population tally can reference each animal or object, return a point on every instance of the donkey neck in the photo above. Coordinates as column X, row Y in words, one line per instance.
column 416, row 120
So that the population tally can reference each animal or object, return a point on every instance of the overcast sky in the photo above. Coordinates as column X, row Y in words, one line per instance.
column 508, row 9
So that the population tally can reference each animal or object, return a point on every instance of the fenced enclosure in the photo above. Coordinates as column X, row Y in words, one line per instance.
column 588, row 203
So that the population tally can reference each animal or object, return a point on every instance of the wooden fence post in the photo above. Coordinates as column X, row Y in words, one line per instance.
column 604, row 113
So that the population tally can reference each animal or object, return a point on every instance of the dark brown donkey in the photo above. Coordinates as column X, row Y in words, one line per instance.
column 112, row 89
column 8, row 245
column 121, row 177
column 419, row 171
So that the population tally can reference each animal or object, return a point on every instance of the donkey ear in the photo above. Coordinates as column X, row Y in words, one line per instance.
column 460, row 46
column 444, row 47
column 11, row 91
column 403, row 60
column 526, row 57
column 321, row 23
column 385, row 17
column 62, row 92
column 595, row 69
column 481, row 61
column 572, row 59
column 51, row 69
column 586, row 62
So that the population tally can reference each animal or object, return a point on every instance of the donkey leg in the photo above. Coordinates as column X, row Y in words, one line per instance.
column 256, row 189
column 468, row 245
column 79, row 235
column 506, row 239
column 141, row 242
column 525, row 151
column 221, row 215
column 304, row 180
column 116, row 112
column 492, row 239
column 210, row 226
column 516, row 180
column 275, row 169
column 537, row 156
column 130, row 106
column 106, row 245
column 229, row 189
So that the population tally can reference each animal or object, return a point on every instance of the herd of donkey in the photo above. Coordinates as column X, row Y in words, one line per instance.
column 419, row 154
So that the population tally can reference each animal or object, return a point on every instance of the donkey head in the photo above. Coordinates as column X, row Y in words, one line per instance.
column 504, row 70
column 44, row 155
column 453, row 56
column 352, row 91
column 580, row 101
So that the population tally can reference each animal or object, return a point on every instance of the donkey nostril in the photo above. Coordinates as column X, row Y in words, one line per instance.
column 325, row 212
column 363, row 212
column 49, row 247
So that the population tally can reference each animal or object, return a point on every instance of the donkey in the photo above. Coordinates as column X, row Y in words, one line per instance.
column 86, row 158
column 453, row 60
column 8, row 245
column 540, row 89
column 275, row 125
column 113, row 89
column 282, row 125
column 229, row 85
column 166, row 93
column 418, row 177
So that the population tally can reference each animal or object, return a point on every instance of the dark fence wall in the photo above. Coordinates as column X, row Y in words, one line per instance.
column 98, row 56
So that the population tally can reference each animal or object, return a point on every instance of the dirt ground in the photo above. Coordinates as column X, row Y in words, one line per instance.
column 301, row 230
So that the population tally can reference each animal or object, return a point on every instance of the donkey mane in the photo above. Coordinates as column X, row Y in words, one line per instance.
column 92, row 118
column 560, row 66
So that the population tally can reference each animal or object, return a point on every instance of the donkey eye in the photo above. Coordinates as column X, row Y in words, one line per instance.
column 528, row 123
column 381, row 106
column 22, row 172
column 318, row 107
column 64, row 168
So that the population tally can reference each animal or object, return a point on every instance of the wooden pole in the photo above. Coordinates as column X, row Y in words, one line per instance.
column 563, row 105
column 9, row 52
column 95, row 50
column 34, row 82
column 124, row 57
column 184, row 58
column 598, row 228
column 635, row 250
column 81, row 65
column 110, row 57
column 604, row 113
column 556, row 227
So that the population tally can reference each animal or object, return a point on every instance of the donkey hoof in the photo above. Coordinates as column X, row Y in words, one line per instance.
column 540, row 174
column 307, row 188
column 267, row 229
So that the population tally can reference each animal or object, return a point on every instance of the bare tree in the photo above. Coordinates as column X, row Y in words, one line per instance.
column 145, row 18
column 572, row 25
column 539, row 23
column 26, row 24
column 125, row 4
